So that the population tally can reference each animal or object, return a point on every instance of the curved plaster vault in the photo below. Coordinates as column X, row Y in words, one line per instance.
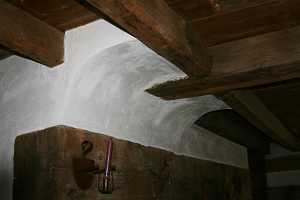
column 100, row 87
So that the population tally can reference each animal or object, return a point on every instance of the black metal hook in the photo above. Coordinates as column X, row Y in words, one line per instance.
column 86, row 147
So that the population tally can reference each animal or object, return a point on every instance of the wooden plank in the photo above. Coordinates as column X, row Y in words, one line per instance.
column 263, row 17
column 30, row 37
column 255, row 61
column 253, row 109
column 160, row 28
column 284, row 163
column 62, row 14
column 230, row 125
column 196, row 9
column 43, row 170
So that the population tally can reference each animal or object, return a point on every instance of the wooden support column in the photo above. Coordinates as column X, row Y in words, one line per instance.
column 247, row 104
column 29, row 36
column 159, row 27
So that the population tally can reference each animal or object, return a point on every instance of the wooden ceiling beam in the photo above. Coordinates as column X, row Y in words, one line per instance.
column 232, row 126
column 29, row 36
column 248, row 105
column 249, row 62
column 262, row 17
column 159, row 27
column 61, row 14
column 197, row 9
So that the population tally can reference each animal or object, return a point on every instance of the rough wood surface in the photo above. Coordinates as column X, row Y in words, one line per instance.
column 30, row 37
column 160, row 28
column 283, row 100
column 196, row 9
column 43, row 170
column 229, row 124
column 62, row 14
column 254, row 61
column 247, row 104
column 263, row 17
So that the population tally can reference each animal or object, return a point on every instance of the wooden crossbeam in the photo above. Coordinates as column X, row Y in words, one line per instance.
column 247, row 104
column 160, row 28
column 229, row 124
column 61, row 14
column 197, row 9
column 254, row 61
column 262, row 17
column 30, row 37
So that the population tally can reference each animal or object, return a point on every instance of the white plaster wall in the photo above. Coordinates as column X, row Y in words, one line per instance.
column 100, row 87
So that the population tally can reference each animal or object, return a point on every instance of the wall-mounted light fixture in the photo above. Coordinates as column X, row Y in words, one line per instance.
column 85, row 169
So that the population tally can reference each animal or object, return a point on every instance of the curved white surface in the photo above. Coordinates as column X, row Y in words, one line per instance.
column 100, row 87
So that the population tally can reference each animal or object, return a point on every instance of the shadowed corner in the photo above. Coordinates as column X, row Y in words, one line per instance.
column 5, row 184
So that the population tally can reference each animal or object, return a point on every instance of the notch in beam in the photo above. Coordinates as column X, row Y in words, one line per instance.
column 255, row 61
column 160, row 28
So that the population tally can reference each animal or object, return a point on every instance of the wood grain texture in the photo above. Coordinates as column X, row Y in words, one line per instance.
column 263, row 17
column 247, row 104
column 62, row 14
column 43, row 162
column 249, row 62
column 283, row 100
column 30, row 37
column 160, row 28
column 232, row 126
column 197, row 9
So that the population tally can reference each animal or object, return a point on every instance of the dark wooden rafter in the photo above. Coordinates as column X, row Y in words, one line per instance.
column 250, row 20
column 61, row 14
column 253, row 61
column 30, row 37
column 229, row 124
column 197, row 9
column 247, row 104
column 159, row 27
column 282, row 99
column 213, row 21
